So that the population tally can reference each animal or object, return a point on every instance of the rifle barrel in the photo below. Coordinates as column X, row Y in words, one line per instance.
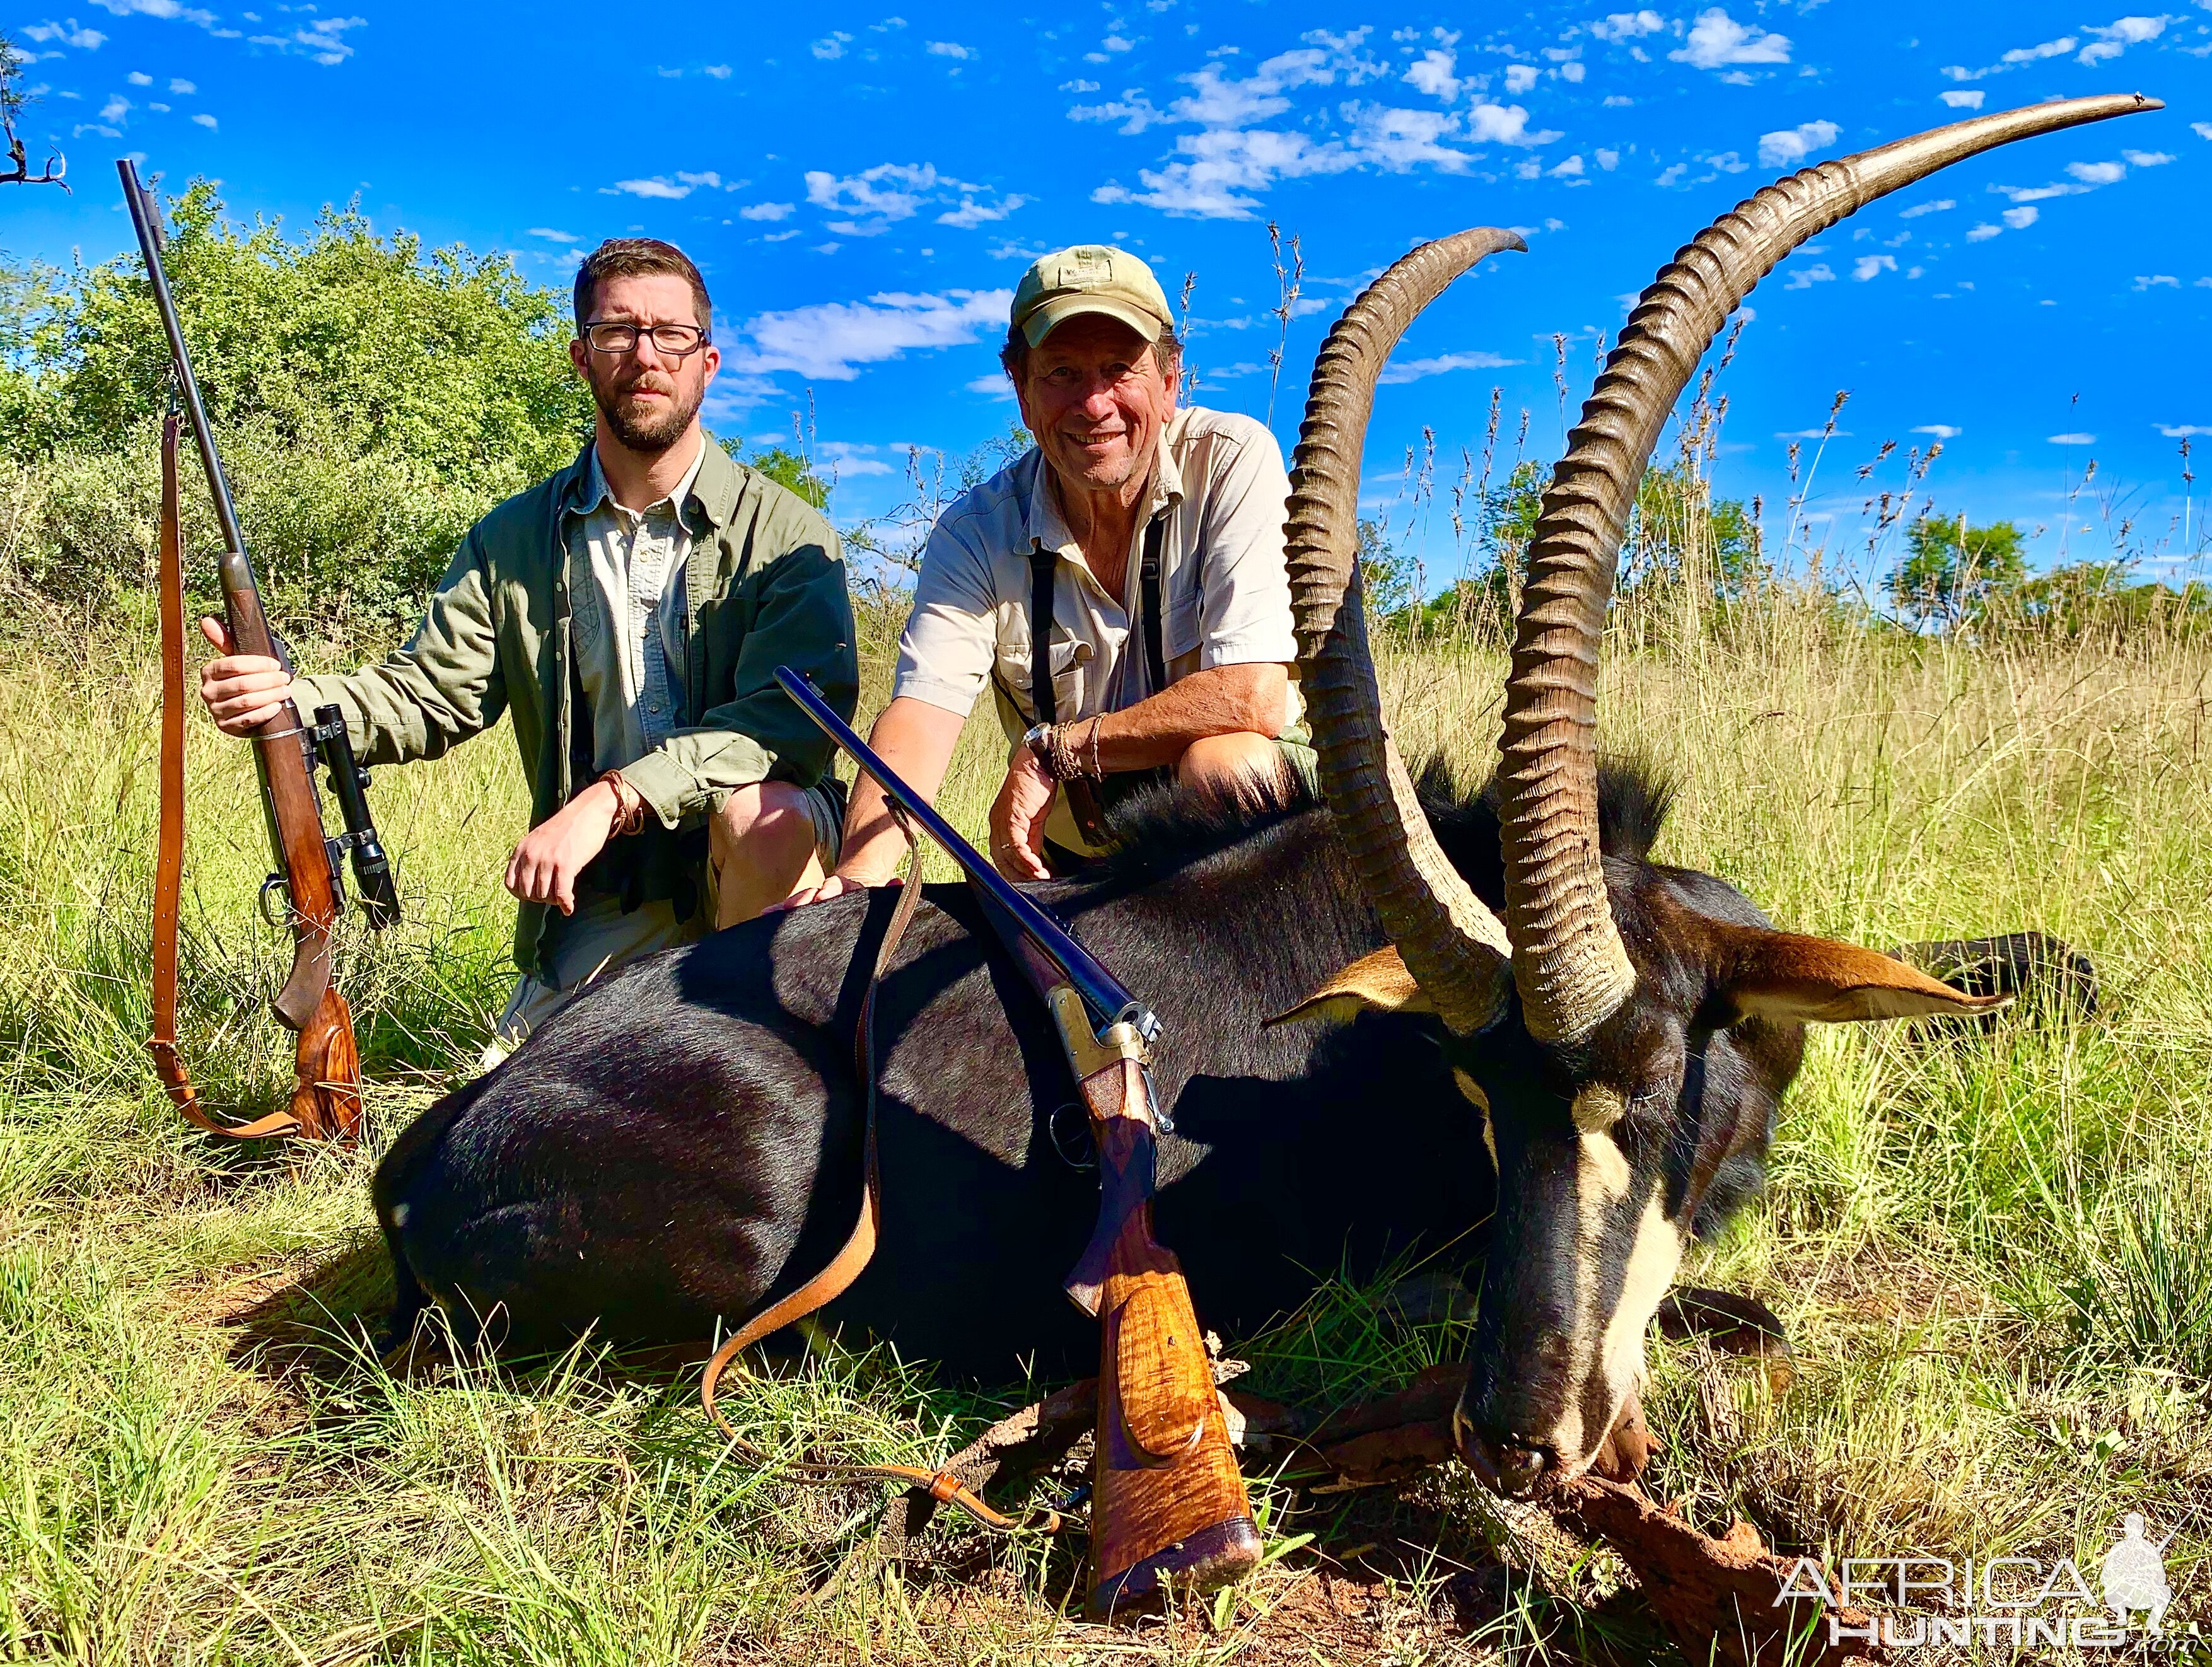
column 136, row 197
column 1101, row 992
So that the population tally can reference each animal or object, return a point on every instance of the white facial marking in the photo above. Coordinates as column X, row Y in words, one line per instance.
column 1475, row 1097
column 1651, row 1264
column 399, row 1213
column 1598, row 1107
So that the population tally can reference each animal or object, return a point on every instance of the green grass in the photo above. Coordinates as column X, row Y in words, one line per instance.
column 1993, row 1253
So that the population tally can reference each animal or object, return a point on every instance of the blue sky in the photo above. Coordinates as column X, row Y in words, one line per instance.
column 863, row 187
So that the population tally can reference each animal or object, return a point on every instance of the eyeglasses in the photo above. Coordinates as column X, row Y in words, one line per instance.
column 675, row 340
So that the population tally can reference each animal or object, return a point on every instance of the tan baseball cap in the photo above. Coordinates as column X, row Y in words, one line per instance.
column 1089, row 278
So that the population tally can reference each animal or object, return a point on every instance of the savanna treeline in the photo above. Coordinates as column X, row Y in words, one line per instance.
column 374, row 398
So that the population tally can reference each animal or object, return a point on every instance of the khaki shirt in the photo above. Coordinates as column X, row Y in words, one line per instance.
column 1224, row 593
column 632, row 613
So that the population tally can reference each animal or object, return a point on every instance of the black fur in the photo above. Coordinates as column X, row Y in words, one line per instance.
column 682, row 1143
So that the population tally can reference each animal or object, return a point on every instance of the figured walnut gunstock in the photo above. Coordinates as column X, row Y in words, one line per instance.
column 1167, row 1501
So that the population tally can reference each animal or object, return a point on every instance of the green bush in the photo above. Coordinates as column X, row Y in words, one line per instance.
column 370, row 401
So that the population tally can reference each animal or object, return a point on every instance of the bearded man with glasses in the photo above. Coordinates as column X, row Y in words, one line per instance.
column 630, row 613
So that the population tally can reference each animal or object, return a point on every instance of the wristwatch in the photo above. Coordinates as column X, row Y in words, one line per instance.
column 1038, row 739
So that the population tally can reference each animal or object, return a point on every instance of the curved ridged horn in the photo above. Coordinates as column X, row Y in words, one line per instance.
column 1569, row 962
column 1452, row 942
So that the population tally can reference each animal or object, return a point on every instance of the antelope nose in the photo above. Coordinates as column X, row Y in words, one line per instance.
column 1513, row 1469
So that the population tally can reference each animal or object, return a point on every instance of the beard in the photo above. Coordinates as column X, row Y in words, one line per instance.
column 648, row 428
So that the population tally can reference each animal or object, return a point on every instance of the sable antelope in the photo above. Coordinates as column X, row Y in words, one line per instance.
column 1546, row 1030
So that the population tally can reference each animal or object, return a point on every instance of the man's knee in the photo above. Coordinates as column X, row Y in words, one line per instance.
column 770, row 814
column 1231, row 765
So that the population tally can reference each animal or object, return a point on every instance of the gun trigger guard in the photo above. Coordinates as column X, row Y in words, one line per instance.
column 276, row 882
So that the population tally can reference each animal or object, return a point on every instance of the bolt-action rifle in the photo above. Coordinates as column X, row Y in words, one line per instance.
column 1167, row 1499
column 326, row 1101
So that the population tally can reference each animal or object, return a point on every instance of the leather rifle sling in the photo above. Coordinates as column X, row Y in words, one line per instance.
column 169, row 846
column 845, row 1266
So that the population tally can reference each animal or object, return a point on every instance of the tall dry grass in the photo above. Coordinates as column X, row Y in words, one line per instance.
column 1991, row 1252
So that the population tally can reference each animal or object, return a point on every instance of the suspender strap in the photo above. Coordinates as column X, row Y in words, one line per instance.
column 1148, row 583
column 1043, row 564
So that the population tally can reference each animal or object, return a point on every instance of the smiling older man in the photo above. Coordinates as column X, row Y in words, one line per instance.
column 1141, row 544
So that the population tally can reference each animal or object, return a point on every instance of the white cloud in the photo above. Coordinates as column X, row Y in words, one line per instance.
column 995, row 385
column 1431, row 73
column 2019, row 219
column 950, row 49
column 1214, row 173
column 1804, row 277
column 1920, row 208
column 205, row 121
column 2148, row 159
column 551, row 235
column 115, row 109
column 2057, row 48
column 1941, row 430
column 972, row 213
column 832, row 45
column 2202, row 129
column 2097, row 173
column 68, row 34
column 322, row 40
column 851, row 459
column 830, row 341
column 1791, row 145
column 1964, row 99
column 163, row 8
column 2159, row 281
column 139, row 78
column 182, row 86
column 1412, row 370
column 1984, row 232
column 1570, row 169
column 2182, row 431
column 1079, row 87
column 1508, row 125
column 1607, row 159
column 1628, row 25
column 672, row 190
column 768, row 211
column 1114, row 42
column 888, row 192
column 2120, row 34
column 1221, row 165
column 1520, row 77
column 2072, row 440
column 1716, row 40
column 1871, row 267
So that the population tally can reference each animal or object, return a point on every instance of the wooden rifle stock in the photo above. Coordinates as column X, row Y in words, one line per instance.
column 1167, row 1499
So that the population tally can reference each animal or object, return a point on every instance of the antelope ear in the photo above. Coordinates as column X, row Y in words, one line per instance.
column 1378, row 983
column 1783, row 976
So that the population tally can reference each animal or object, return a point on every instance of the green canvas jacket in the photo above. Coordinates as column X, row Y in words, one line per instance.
column 766, row 587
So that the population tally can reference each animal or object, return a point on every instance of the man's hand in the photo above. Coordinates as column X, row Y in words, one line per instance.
column 544, row 866
column 242, row 691
column 1018, row 818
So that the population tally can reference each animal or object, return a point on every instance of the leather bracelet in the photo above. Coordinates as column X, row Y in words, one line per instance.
column 1064, row 754
column 629, row 805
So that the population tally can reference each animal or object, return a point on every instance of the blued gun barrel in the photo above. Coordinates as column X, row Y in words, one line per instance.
column 1110, row 1003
